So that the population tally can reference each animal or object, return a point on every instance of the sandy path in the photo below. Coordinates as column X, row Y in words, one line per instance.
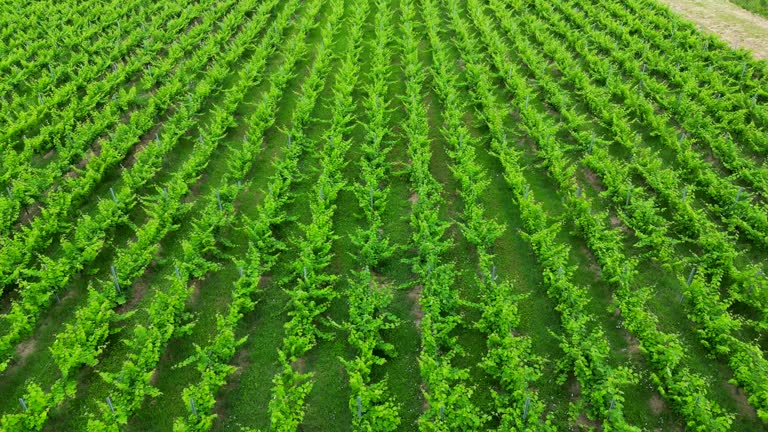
column 735, row 25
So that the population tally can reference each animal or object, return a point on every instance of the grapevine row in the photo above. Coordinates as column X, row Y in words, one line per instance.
column 664, row 350
column 689, row 114
column 312, row 287
column 20, row 249
column 54, row 275
column 213, row 359
column 720, row 253
column 709, row 311
column 138, row 368
column 585, row 345
column 724, row 102
column 509, row 359
column 27, row 185
column 81, row 344
column 446, row 390
column 371, row 404
column 43, row 88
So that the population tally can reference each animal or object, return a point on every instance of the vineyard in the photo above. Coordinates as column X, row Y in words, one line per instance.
column 374, row 215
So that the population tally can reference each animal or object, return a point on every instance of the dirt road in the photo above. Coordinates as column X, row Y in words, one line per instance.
column 735, row 25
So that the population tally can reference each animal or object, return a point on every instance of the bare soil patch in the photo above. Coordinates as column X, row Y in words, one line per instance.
column 657, row 404
column 240, row 362
column 633, row 345
column 414, row 295
column 195, row 293
column 742, row 404
column 194, row 190
column 738, row 27
column 615, row 221
column 137, row 291
column 586, row 424
column 300, row 365
column 592, row 179
column 574, row 387
column 67, row 296
column 24, row 349
column 424, row 403
column 593, row 266
column 28, row 214
column 130, row 159
column 265, row 281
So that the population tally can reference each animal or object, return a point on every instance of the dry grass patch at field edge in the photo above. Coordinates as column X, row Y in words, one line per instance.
column 737, row 26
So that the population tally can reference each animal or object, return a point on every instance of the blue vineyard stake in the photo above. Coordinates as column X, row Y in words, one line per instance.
column 115, row 280
column 525, row 410
column 359, row 407
column 690, row 276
